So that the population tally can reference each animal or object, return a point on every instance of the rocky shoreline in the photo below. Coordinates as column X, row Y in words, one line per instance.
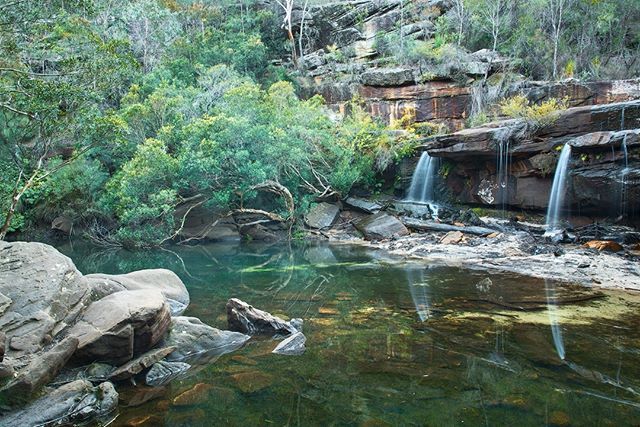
column 68, row 340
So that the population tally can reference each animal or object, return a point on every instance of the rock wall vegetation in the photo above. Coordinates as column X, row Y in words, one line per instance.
column 137, row 137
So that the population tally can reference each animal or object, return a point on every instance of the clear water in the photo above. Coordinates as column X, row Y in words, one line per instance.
column 391, row 342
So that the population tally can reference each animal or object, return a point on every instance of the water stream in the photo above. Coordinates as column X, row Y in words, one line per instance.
column 390, row 342
column 558, row 190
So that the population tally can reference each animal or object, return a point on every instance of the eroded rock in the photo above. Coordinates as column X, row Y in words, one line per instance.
column 122, row 325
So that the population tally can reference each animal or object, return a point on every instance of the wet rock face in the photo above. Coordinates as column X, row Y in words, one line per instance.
column 247, row 319
column 381, row 226
column 70, row 404
column 322, row 215
column 122, row 325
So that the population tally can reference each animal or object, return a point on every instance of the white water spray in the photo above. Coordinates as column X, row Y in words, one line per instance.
column 559, row 189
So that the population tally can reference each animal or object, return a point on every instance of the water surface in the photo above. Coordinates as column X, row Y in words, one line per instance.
column 391, row 342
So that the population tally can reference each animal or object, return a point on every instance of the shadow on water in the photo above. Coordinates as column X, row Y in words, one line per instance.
column 392, row 342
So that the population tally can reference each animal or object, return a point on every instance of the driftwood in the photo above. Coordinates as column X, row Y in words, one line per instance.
column 420, row 225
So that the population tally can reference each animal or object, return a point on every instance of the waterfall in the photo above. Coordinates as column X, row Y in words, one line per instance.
column 556, row 332
column 623, row 178
column 503, row 161
column 559, row 189
column 423, row 180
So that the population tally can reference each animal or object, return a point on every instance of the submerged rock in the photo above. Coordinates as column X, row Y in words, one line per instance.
column 121, row 325
column 381, row 226
column 164, row 372
column 194, row 340
column 198, row 394
column 70, row 404
column 165, row 281
column 292, row 346
column 252, row 381
column 247, row 319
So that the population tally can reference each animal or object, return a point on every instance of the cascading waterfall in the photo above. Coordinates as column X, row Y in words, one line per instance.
column 623, row 178
column 504, row 164
column 559, row 189
column 423, row 180
column 552, row 308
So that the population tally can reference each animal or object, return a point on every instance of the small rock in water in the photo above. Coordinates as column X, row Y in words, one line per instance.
column 141, row 363
column 196, row 395
column 163, row 372
column 297, row 323
column 603, row 245
column 484, row 285
column 247, row 319
column 252, row 381
column 292, row 346
column 559, row 418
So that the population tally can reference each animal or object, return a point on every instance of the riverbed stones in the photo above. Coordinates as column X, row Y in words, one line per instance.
column 122, row 325
column 163, row 372
column 165, row 281
column 603, row 245
column 381, row 226
column 70, row 404
column 292, row 346
column 197, row 394
column 452, row 238
column 195, row 340
column 247, row 319
column 322, row 215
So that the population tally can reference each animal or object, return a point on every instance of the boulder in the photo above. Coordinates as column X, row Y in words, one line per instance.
column 165, row 281
column 62, row 224
column 164, row 372
column 71, row 404
column 247, row 319
column 292, row 346
column 42, row 293
column 195, row 340
column 121, row 325
column 381, row 226
column 452, row 238
column 363, row 205
column 140, row 363
column 322, row 215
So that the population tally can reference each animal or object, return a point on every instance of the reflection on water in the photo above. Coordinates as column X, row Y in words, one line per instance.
column 556, row 332
column 391, row 342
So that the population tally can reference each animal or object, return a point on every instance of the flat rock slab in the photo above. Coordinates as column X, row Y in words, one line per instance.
column 121, row 325
column 71, row 404
column 165, row 281
column 195, row 341
column 322, row 215
column 247, row 319
column 381, row 226
column 141, row 363
column 363, row 205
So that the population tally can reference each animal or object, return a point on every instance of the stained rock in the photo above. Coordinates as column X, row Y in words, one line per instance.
column 247, row 319
column 194, row 340
column 164, row 372
column 70, row 404
column 452, row 238
column 141, row 363
column 292, row 346
column 165, row 281
column 381, row 226
column 604, row 245
column 122, row 325
column 322, row 215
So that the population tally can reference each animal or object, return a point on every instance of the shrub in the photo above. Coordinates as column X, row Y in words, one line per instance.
column 537, row 115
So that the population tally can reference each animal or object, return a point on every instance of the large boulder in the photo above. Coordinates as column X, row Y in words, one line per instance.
column 165, row 281
column 381, row 226
column 194, row 340
column 122, row 325
column 42, row 293
column 71, row 404
column 247, row 319
column 322, row 215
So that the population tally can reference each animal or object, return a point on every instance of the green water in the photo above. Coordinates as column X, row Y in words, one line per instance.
column 391, row 342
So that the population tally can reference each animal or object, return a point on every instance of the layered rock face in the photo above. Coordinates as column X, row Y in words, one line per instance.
column 604, row 169
column 346, row 40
